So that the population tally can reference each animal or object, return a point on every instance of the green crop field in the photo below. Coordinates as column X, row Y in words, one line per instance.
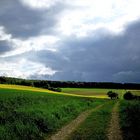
column 95, row 126
column 29, row 114
column 80, row 92
column 135, row 92
column 65, row 91
column 94, row 92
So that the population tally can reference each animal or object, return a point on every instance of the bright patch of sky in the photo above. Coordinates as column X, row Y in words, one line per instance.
column 24, row 69
column 87, row 16
column 39, row 4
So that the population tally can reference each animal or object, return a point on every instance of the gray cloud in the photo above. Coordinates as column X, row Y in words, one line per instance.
column 4, row 47
column 111, row 58
column 24, row 22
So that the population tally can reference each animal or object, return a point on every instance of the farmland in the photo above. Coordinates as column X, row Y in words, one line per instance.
column 94, row 127
column 65, row 91
column 96, row 92
column 29, row 113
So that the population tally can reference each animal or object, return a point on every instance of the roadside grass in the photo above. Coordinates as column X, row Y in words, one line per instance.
column 31, row 115
column 130, row 119
column 95, row 126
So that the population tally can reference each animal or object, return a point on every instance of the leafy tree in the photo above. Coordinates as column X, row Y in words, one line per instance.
column 112, row 95
column 128, row 95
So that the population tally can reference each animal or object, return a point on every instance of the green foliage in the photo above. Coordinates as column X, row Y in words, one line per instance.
column 27, row 115
column 95, row 126
column 55, row 89
column 130, row 119
column 70, row 84
column 128, row 95
column 112, row 95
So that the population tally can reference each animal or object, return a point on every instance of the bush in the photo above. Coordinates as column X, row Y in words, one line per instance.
column 55, row 89
column 130, row 120
column 128, row 96
column 112, row 95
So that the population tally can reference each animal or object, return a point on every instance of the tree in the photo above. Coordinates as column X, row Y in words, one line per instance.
column 128, row 95
column 112, row 95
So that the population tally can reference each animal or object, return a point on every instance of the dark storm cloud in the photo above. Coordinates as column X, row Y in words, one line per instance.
column 23, row 22
column 111, row 58
column 55, row 60
column 4, row 47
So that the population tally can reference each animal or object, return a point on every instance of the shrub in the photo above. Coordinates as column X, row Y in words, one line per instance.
column 128, row 95
column 130, row 120
column 55, row 89
column 112, row 95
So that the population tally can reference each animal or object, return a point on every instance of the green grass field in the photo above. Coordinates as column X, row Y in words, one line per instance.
column 28, row 113
column 80, row 92
column 95, row 126
column 98, row 93
column 135, row 92
column 31, row 115
column 92, row 92
column 65, row 91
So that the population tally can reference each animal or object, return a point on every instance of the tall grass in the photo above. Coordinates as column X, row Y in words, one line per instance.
column 28, row 115
column 95, row 126
column 130, row 119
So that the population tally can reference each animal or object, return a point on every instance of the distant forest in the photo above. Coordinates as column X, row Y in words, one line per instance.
column 65, row 84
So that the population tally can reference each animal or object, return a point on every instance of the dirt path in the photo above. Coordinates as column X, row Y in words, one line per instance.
column 114, row 131
column 68, row 129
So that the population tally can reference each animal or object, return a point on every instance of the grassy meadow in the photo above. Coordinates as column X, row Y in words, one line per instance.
column 80, row 92
column 93, row 92
column 98, row 93
column 130, row 119
column 95, row 126
column 28, row 113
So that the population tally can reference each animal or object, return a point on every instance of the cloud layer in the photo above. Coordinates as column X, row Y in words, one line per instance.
column 63, row 40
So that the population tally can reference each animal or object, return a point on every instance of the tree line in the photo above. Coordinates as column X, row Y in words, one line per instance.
column 71, row 84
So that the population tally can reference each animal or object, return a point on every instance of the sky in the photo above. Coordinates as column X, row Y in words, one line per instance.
column 73, row 40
